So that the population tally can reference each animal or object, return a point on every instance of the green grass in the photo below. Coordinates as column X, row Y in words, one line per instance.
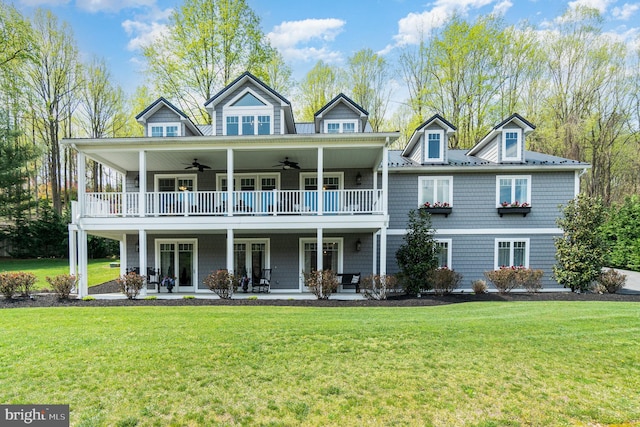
column 99, row 270
column 477, row 364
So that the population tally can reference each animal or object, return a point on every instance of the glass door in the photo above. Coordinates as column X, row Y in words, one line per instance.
column 177, row 264
column 331, row 256
column 250, row 257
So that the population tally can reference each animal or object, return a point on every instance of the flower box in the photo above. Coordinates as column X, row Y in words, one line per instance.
column 524, row 210
column 439, row 210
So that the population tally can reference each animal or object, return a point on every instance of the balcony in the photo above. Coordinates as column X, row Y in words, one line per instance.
column 214, row 203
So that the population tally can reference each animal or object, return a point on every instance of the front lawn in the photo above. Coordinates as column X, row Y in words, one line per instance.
column 99, row 270
column 475, row 364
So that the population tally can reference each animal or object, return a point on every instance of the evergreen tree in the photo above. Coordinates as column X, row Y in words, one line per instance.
column 418, row 256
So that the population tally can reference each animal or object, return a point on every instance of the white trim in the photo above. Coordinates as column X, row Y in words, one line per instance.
column 513, row 188
column 339, row 175
column 527, row 251
column 341, row 122
column 303, row 240
column 483, row 232
column 449, row 243
column 194, row 261
column 238, row 179
column 503, row 145
column 435, row 189
column 164, row 126
column 228, row 110
column 248, row 241
column 425, row 151
column 177, row 176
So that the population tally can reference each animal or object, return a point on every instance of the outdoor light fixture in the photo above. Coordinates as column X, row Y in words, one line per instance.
column 138, row 246
column 358, row 245
column 136, row 181
column 358, row 179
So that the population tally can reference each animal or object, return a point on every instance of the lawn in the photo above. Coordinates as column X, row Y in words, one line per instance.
column 99, row 270
column 475, row 364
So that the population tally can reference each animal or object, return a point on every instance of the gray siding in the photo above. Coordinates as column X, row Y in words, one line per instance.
column 341, row 112
column 264, row 94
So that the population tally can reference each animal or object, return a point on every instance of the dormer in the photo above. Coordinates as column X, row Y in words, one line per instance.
column 505, row 142
column 341, row 115
column 163, row 119
column 247, row 106
column 428, row 143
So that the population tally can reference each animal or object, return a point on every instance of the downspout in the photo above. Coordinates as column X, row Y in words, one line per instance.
column 576, row 189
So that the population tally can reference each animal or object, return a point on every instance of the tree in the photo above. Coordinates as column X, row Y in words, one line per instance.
column 418, row 256
column 208, row 43
column 367, row 78
column 278, row 74
column 320, row 85
column 16, row 42
column 580, row 252
column 622, row 234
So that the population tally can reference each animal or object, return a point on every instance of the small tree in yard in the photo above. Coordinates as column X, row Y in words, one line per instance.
column 222, row 283
column 418, row 256
column 130, row 284
column 321, row 283
column 580, row 252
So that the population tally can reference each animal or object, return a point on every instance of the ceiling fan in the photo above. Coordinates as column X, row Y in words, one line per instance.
column 287, row 164
column 196, row 165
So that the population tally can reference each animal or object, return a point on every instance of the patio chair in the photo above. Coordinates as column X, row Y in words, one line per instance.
column 153, row 278
column 264, row 283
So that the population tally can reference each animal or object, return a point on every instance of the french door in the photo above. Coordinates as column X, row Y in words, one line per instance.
column 250, row 257
column 177, row 259
column 332, row 254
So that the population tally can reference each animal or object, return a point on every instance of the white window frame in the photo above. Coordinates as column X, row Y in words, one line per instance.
column 449, row 243
column 339, row 175
column 511, row 241
column 421, row 179
column 258, row 177
column 158, row 177
column 250, row 111
column 177, row 242
column 503, row 154
column 426, row 158
column 303, row 240
column 341, row 123
column 164, row 126
column 513, row 188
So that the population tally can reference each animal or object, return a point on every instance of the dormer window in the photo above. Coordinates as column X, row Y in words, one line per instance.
column 434, row 150
column 248, row 114
column 512, row 145
column 164, row 129
column 340, row 126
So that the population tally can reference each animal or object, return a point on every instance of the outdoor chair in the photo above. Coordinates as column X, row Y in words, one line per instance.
column 264, row 283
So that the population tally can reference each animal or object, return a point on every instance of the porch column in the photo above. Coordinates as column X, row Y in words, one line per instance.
column 385, row 178
column 83, row 280
column 319, row 258
column 383, row 251
column 123, row 255
column 230, row 249
column 320, row 181
column 374, row 245
column 142, row 257
column 73, row 250
column 230, row 186
column 82, row 183
column 142, row 181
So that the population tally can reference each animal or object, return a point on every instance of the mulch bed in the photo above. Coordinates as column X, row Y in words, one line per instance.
column 50, row 300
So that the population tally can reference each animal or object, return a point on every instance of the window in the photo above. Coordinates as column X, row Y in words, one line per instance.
column 164, row 129
column 232, row 125
column 511, row 145
column 512, row 253
column 157, row 131
column 247, row 125
column 264, row 125
column 434, row 150
column 332, row 255
column 340, row 126
column 443, row 248
column 513, row 190
column 435, row 190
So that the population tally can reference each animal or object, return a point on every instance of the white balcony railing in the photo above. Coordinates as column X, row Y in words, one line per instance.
column 214, row 203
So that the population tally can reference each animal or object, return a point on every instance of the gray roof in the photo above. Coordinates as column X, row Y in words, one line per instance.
column 305, row 127
column 207, row 130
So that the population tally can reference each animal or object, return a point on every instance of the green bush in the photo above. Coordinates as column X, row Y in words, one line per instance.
column 62, row 284
column 445, row 281
column 188, row 297
column 150, row 297
column 321, row 283
column 622, row 234
column 378, row 287
column 611, row 281
column 222, row 283
column 417, row 257
column 131, row 284
column 88, row 298
column 25, row 283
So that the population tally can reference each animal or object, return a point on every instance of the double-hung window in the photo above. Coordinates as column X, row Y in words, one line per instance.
column 443, row 252
column 248, row 127
column 264, row 125
column 164, row 129
column 512, row 145
column 434, row 150
column 435, row 191
column 232, row 125
column 513, row 190
column 340, row 126
column 248, row 114
column 511, row 253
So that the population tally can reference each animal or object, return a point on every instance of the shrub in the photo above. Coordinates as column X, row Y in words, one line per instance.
column 130, row 284
column 62, row 284
column 25, row 283
column 444, row 281
column 611, row 280
column 378, row 287
column 321, row 283
column 529, row 279
column 188, row 297
column 88, row 298
column 8, row 284
column 253, row 297
column 503, row 279
column 479, row 286
column 151, row 297
column 222, row 283
column 418, row 255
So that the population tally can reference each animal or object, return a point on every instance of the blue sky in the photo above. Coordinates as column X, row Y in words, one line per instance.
column 305, row 32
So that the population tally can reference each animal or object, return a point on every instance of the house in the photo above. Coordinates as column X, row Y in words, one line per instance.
column 255, row 192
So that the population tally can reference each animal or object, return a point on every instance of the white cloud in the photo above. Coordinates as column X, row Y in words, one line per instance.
column 143, row 33
column 501, row 8
column 307, row 39
column 43, row 3
column 94, row 6
column 626, row 11
column 600, row 5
